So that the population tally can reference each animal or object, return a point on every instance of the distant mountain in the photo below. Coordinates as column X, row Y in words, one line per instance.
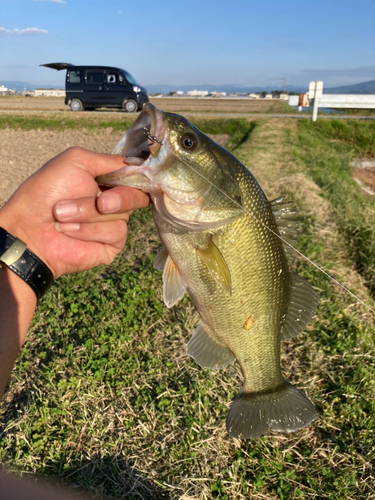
column 228, row 88
column 358, row 88
column 19, row 86
column 165, row 89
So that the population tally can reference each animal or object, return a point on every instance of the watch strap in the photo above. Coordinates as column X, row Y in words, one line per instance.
column 27, row 266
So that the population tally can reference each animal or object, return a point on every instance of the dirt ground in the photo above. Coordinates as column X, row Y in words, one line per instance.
column 22, row 153
column 174, row 105
column 364, row 174
column 366, row 178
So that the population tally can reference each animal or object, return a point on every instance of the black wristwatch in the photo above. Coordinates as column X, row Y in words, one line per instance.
column 15, row 255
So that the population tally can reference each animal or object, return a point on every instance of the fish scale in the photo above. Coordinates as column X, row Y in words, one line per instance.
column 221, row 238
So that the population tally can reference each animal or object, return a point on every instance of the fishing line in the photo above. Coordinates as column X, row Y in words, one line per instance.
column 272, row 231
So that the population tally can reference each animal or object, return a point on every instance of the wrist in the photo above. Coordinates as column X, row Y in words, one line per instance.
column 12, row 284
column 16, row 256
column 13, row 223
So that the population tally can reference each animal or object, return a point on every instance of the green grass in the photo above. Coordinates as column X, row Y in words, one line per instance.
column 104, row 398
column 326, row 149
column 237, row 129
column 48, row 122
column 356, row 111
column 281, row 107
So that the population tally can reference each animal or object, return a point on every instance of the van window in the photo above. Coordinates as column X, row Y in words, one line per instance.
column 74, row 77
column 94, row 77
column 112, row 78
column 129, row 77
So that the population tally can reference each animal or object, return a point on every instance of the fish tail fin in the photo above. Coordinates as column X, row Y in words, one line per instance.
column 284, row 410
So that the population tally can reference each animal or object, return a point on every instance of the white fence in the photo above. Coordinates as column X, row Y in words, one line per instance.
column 347, row 101
column 320, row 100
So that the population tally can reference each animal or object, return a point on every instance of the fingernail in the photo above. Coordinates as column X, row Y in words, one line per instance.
column 66, row 210
column 111, row 203
column 67, row 227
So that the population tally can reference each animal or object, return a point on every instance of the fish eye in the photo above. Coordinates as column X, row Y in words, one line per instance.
column 189, row 142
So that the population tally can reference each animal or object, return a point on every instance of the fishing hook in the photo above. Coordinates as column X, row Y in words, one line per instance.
column 150, row 137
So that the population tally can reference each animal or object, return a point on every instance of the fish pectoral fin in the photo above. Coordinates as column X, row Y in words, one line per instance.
column 174, row 287
column 213, row 259
column 206, row 351
column 160, row 259
column 285, row 409
column 303, row 302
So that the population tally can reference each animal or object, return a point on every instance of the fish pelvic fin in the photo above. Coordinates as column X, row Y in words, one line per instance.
column 284, row 410
column 160, row 259
column 174, row 287
column 206, row 351
column 303, row 302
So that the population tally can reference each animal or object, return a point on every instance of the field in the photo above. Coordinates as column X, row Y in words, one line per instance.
column 176, row 105
column 103, row 397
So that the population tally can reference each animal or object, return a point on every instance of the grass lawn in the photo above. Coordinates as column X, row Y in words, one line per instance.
column 104, row 398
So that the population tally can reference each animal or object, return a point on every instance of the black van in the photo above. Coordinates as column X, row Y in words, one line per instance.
column 90, row 87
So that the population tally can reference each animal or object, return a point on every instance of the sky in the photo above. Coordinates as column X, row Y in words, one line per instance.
column 192, row 42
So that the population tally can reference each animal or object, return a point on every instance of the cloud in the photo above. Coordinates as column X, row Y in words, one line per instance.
column 26, row 31
column 53, row 1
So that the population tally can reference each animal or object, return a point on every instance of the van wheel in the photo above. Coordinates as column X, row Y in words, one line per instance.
column 76, row 105
column 130, row 106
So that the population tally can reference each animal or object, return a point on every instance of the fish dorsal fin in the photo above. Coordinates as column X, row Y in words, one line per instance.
column 160, row 259
column 206, row 351
column 213, row 259
column 174, row 287
column 303, row 302
column 284, row 217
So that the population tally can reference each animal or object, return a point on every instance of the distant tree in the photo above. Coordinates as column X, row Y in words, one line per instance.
column 172, row 93
column 263, row 94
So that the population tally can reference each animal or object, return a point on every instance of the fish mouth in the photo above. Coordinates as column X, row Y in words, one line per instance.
column 141, row 142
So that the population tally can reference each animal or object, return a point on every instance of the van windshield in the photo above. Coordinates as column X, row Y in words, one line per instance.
column 129, row 77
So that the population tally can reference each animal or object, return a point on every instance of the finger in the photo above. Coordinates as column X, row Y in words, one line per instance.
column 121, row 199
column 95, row 163
column 84, row 210
column 112, row 233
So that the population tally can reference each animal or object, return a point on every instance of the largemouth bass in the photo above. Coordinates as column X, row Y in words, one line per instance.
column 222, row 245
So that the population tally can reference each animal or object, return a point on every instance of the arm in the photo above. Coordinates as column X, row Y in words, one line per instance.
column 57, row 213
column 17, row 305
column 13, row 488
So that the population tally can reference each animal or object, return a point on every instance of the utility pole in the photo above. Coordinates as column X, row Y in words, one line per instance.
column 284, row 86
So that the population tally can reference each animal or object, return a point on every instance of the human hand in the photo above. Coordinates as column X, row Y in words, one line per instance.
column 90, row 230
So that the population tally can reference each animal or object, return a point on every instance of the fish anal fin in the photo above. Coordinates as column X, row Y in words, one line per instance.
column 206, row 351
column 174, row 287
column 284, row 410
column 303, row 302
column 160, row 259
column 215, row 262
